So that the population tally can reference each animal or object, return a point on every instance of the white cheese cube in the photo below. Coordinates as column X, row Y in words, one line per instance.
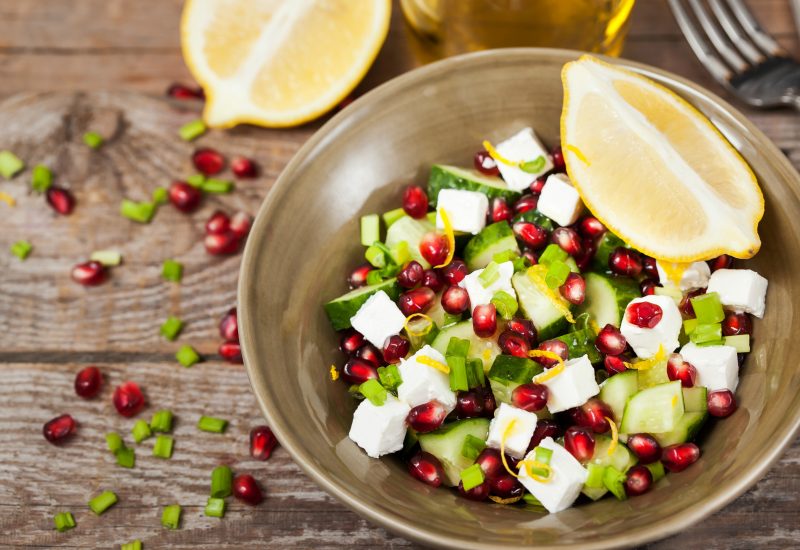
column 520, row 434
column 523, row 146
column 646, row 341
column 740, row 289
column 559, row 200
column 378, row 318
column 423, row 383
column 480, row 295
column 567, row 477
column 692, row 276
column 466, row 210
column 380, row 430
column 717, row 366
column 572, row 387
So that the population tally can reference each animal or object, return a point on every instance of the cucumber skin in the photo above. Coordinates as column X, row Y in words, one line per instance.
column 492, row 239
column 523, row 286
column 339, row 312
column 534, row 216
column 616, row 391
column 685, row 430
column 441, row 177
column 446, row 443
column 580, row 343
column 644, row 403
column 507, row 368
column 624, row 289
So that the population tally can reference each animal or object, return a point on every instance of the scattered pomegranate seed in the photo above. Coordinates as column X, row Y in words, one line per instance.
column 262, row 442
column 481, row 492
column 231, row 352
column 358, row 277
column 720, row 262
column 644, row 314
column 184, row 197
column 615, row 364
column 490, row 462
column 60, row 200
column 538, row 185
column 524, row 328
column 648, row 287
column 57, row 430
column 593, row 414
column 638, row 481
column 208, row 161
column 610, row 341
column 685, row 304
column 454, row 272
column 484, row 320
column 434, row 248
column 584, row 259
column 426, row 417
column 568, row 240
column 530, row 234
column 590, row 227
column 721, row 403
column 455, row 300
column 530, row 397
column 396, row 348
column 645, row 447
column 358, row 371
column 556, row 346
column 513, row 344
column 218, row 223
column 88, row 382
column 89, row 273
column 544, row 428
column 558, row 159
column 579, row 442
column 219, row 245
column 426, row 468
column 183, row 92
column 370, row 354
column 415, row 202
column 677, row 458
column 489, row 402
column 411, row 275
column 736, row 323
column 128, row 399
column 418, row 300
column 500, row 211
column 229, row 326
column 240, row 224
column 243, row 167
column 505, row 486
column 678, row 369
column 624, row 261
column 350, row 341
column 574, row 289
column 469, row 404
column 485, row 164
column 247, row 490
column 432, row 280
column 526, row 203
column 649, row 268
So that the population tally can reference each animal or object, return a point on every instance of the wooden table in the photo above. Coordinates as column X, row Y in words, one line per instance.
column 50, row 327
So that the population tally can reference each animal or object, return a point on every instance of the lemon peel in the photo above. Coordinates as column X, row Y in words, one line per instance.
column 421, row 332
column 647, row 364
column 451, row 238
column 433, row 363
column 537, row 273
column 614, row 437
column 334, row 373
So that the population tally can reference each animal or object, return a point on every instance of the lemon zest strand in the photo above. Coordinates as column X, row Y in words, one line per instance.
column 550, row 373
column 528, row 464
column 8, row 199
column 334, row 373
column 487, row 354
column 647, row 364
column 433, row 363
column 451, row 238
column 536, row 277
column 422, row 332
column 614, row 437
column 578, row 153
column 497, row 156
column 506, row 434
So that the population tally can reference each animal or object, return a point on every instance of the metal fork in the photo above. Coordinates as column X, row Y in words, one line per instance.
column 740, row 55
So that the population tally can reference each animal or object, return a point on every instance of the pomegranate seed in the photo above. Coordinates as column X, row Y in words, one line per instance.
column 240, row 224
column 610, row 341
column 262, row 442
column 350, row 341
column 184, row 197
column 434, row 248
column 489, row 403
column 396, row 348
column 481, row 492
column 415, row 203
column 455, row 300
column 556, row 346
column 736, row 323
column 484, row 320
column 454, row 272
column 218, row 223
column 648, row 287
column 60, row 200
column 624, row 261
column 544, row 428
column 432, row 280
column 208, row 161
column 558, row 159
column 358, row 277
column 638, row 481
column 513, row 344
column 426, row 417
column 585, row 258
column 414, row 301
column 649, row 268
column 59, row 429
column 88, row 382
column 644, row 314
column 538, row 185
column 686, row 302
column 568, row 240
column 128, row 399
column 358, row 371
column 721, row 403
column 530, row 234
column 574, row 289
column 677, row 458
column 410, row 276
column 231, row 352
column 243, row 167
column 183, row 92
column 469, row 405
column 593, row 414
column 579, row 442
column 720, row 262
column 426, row 468
column 505, row 486
column 590, row 227
column 247, row 490
column 530, row 397
column 370, row 354
column 219, row 245
column 485, row 164
column 615, row 364
column 645, row 447
column 529, row 256
column 678, row 369
column 89, row 273
column 500, row 211
column 524, row 328
column 490, row 462
column 526, row 203
column 229, row 326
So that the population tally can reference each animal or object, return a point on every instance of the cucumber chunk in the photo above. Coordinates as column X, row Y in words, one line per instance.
column 538, row 307
column 607, row 296
column 536, row 217
column 580, row 343
column 655, row 375
column 443, row 176
column 616, row 391
column 447, row 442
column 686, row 428
column 654, row 410
column 492, row 240
column 344, row 307
column 621, row 459
column 411, row 231
column 485, row 349
column 695, row 399
column 508, row 372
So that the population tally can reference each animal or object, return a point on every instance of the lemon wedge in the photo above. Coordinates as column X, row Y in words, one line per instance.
column 653, row 168
column 279, row 63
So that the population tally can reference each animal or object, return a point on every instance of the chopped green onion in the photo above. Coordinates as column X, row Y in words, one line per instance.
column 221, row 482
column 656, row 469
column 505, row 304
column 109, row 258
column 389, row 377
column 472, row 447
column 689, row 325
column 400, row 253
column 531, row 500
column 125, row 457
column 192, row 130
column 64, row 521
column 172, row 271
column 472, row 477
column 458, row 373
column 489, row 275
column 457, row 347
column 505, row 256
column 708, row 335
column 370, row 229
column 708, row 308
column 10, row 164
column 739, row 341
column 543, row 455
column 163, row 446
column 141, row 212
column 533, row 166
column 475, row 373
column 133, row 545
column 557, row 273
column 521, row 264
column 211, row 424
column 372, row 390
column 171, row 516
column 212, row 185
column 595, row 477
column 450, row 319
column 196, row 180
column 390, row 270
column 161, row 421
column 374, row 277
column 41, row 178
column 215, row 508
column 141, row 431
column 187, row 356
column 21, row 249
column 160, row 195
column 171, row 328
column 93, row 140
column 114, row 441
column 551, row 254
column 392, row 216
column 614, row 480
column 375, row 256
column 102, row 502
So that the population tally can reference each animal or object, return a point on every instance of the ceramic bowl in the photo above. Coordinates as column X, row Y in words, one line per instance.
column 306, row 238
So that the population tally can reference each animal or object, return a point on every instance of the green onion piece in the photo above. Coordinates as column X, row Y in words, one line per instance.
column 64, row 521
column 211, row 424
column 141, row 431
column 505, row 304
column 475, row 365
column 389, row 377
column 192, row 130
column 533, row 166
column 109, row 258
column 172, row 271
column 390, row 270
column 141, row 212
column 689, row 325
column 212, row 185
column 400, row 253
column 553, row 253
column 221, row 482
column 187, row 356
column 374, row 277
column 656, row 469
column 458, row 373
column 450, row 319
column 196, row 180
column 557, row 273
column 457, row 347
column 171, row 516
column 472, row 379
column 505, row 256
column 739, row 341
column 41, row 178
column 125, row 457
column 490, row 274
column 133, row 545
column 392, row 216
column 372, row 390
column 707, row 335
column 472, row 477
column 614, row 480
column 163, row 446
column 21, row 249
column 707, row 308
column 521, row 264
column 543, row 455
column 102, row 502
column 215, row 508
column 595, row 477
column 472, row 447
column 375, row 256
column 10, row 164
column 171, row 328
column 160, row 195
column 114, row 441
column 531, row 500
column 93, row 140
column 161, row 421
column 370, row 229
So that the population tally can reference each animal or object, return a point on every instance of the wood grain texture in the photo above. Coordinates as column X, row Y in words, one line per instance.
column 50, row 327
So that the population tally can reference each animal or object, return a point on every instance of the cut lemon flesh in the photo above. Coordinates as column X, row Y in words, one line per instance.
column 653, row 168
column 279, row 62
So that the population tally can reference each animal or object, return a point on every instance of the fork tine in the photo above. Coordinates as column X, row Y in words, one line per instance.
column 701, row 49
column 750, row 26
column 734, row 32
column 717, row 39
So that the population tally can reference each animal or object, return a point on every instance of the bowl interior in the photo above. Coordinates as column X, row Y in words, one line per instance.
column 306, row 239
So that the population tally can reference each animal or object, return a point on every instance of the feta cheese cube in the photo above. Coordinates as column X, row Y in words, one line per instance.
column 567, row 477
column 480, row 295
column 466, row 210
column 646, row 341
column 559, row 200
column 572, row 387
column 380, row 430
column 740, row 289
column 717, row 366
column 521, row 433
column 692, row 276
column 523, row 146
column 378, row 318
column 423, row 383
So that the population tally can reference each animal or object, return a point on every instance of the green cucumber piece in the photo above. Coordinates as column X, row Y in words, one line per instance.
column 607, row 296
column 685, row 429
column 447, row 442
column 344, row 307
column 580, row 343
column 443, row 176
column 492, row 240
column 657, row 470
column 617, row 389
column 654, row 376
column 534, row 216
column 370, row 229
column 484, row 349
column 607, row 244
column 739, row 341
column 621, row 459
column 508, row 372
column 654, row 410
column 392, row 216
column 695, row 399
column 538, row 307
column 411, row 231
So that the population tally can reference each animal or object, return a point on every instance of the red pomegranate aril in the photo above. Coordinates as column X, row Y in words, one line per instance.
column 415, row 202
column 418, row 300
column 513, row 344
column 568, row 240
column 57, row 430
column 358, row 277
column 489, row 402
column 350, row 341
column 505, row 486
column 184, row 92
column 638, row 481
column 221, row 245
column 649, row 268
column 89, row 273
column 88, row 382
column 244, row 168
column 538, row 185
column 481, row 492
column 574, row 289
column 526, row 203
column 208, row 161
column 454, row 272
column 60, row 200
column 558, row 159
column 530, row 397
column 544, row 428
column 590, row 227
column 579, row 442
column 469, row 405
column 721, row 403
column 610, row 341
column 370, row 354
column 720, row 262
column 128, row 399
column 736, row 323
column 500, row 211
column 247, row 490
column 396, row 348
column 218, row 223
column 434, row 248
column 678, row 369
column 648, row 287
column 240, row 224
column 431, row 279
column 524, row 328
column 426, row 417
column 262, row 442
column 624, row 261
column 584, row 259
column 184, row 197
column 485, row 164
column 426, row 468
column 677, row 458
column 490, row 462
column 484, row 320
column 645, row 447
column 231, row 352
column 530, row 234
column 411, row 275
column 229, row 326
column 358, row 371
column 455, row 300
column 685, row 305
column 593, row 415
column 615, row 364
column 555, row 346
column 644, row 314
